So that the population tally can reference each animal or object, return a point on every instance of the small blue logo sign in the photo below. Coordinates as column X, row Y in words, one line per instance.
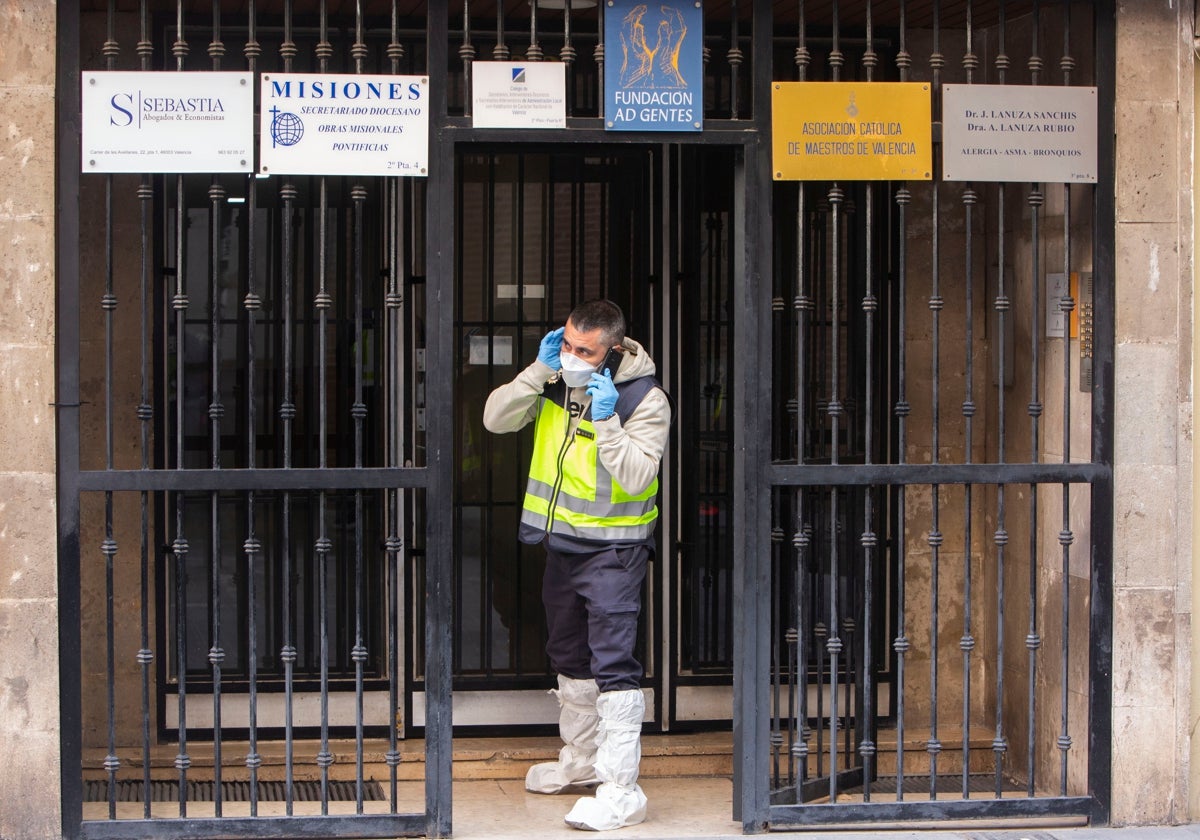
column 518, row 75
column 286, row 128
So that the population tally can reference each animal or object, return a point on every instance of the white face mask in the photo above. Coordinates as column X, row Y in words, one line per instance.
column 575, row 371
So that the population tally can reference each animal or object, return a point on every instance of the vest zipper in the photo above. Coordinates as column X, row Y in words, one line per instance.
column 558, row 473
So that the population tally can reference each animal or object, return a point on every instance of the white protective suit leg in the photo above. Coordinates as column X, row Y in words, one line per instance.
column 619, row 800
column 578, row 725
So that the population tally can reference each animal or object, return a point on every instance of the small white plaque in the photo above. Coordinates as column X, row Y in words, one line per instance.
column 343, row 124
column 1056, row 320
column 1026, row 133
column 511, row 291
column 167, row 122
column 508, row 94
column 501, row 347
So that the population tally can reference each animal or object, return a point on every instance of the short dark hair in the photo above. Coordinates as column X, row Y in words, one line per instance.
column 603, row 315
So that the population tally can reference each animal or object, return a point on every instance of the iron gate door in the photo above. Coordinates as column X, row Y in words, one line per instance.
column 539, row 229
column 935, row 512
column 259, row 499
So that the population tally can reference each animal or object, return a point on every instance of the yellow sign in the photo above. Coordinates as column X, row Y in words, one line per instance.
column 851, row 131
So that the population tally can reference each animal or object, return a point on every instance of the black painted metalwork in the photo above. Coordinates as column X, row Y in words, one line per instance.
column 286, row 434
column 837, row 448
column 844, row 467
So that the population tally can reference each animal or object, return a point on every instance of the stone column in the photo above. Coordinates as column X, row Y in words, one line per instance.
column 1153, row 507
column 29, row 721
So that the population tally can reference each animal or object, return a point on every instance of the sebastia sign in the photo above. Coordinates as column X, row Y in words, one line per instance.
column 167, row 122
column 338, row 124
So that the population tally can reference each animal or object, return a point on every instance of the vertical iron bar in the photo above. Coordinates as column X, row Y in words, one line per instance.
column 108, row 546
column 287, row 415
column 145, row 414
column 66, row 494
column 1033, row 641
column 252, row 547
column 752, row 420
column 834, row 409
column 1000, row 740
column 323, row 546
column 358, row 411
column 439, row 309
column 869, row 539
column 466, row 52
column 567, row 56
column 1100, row 557
column 180, row 546
column 534, row 53
column 901, row 409
column 803, row 308
column 734, row 56
column 1065, row 536
column 777, row 711
column 933, row 746
column 500, row 51
column 966, row 642
column 216, row 655
column 393, row 302
column 598, row 57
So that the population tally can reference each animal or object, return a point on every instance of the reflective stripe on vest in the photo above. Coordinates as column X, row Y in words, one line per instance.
column 568, row 484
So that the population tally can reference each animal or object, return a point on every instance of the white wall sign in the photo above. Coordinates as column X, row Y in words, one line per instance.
column 1030, row 133
column 507, row 94
column 347, row 124
column 167, row 122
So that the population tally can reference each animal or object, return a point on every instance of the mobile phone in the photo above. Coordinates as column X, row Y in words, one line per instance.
column 612, row 361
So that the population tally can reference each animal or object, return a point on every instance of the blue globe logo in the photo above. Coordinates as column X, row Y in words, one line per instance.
column 286, row 128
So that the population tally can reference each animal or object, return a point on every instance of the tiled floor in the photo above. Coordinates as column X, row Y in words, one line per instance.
column 503, row 810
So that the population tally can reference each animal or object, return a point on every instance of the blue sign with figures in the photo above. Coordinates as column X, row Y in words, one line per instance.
column 653, row 68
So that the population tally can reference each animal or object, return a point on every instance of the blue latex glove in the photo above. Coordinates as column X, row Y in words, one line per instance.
column 548, row 351
column 604, row 395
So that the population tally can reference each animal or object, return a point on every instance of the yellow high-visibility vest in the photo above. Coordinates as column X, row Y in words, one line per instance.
column 570, row 492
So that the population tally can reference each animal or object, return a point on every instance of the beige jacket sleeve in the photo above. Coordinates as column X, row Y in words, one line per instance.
column 632, row 453
column 511, row 407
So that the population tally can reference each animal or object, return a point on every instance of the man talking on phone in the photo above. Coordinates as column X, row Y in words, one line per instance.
column 601, row 422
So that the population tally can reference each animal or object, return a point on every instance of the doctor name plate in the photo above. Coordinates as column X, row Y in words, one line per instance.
column 1031, row 133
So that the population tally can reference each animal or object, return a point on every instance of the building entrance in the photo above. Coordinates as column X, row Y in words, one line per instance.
column 885, row 549
column 540, row 230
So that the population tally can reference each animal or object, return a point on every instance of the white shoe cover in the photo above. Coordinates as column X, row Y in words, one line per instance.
column 619, row 801
column 578, row 725
column 613, row 806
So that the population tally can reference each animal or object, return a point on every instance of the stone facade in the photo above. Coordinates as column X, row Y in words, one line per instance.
column 29, row 721
column 1153, row 659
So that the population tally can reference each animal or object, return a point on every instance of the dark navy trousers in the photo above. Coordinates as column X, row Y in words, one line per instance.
column 592, row 603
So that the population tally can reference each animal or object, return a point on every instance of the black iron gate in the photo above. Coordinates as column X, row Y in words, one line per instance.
column 938, row 636
column 254, row 501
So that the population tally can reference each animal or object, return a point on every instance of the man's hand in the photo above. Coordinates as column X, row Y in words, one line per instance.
column 604, row 395
column 551, row 346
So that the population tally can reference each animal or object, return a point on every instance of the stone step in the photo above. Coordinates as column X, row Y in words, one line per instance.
column 707, row 754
